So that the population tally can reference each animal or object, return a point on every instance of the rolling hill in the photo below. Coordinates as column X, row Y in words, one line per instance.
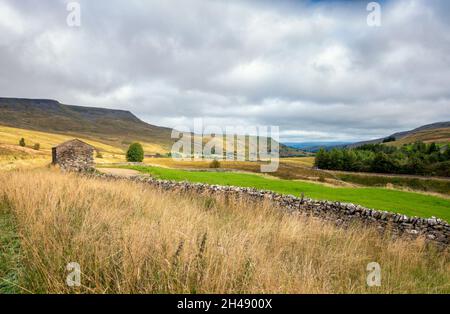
column 439, row 135
column 436, row 132
column 113, row 127
column 314, row 147
column 117, row 128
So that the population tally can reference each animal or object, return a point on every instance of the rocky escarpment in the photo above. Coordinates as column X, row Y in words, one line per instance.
column 344, row 214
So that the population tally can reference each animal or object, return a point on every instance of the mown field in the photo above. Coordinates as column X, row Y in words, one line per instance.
column 131, row 238
column 408, row 203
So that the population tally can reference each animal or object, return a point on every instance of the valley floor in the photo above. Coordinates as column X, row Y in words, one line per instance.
column 408, row 203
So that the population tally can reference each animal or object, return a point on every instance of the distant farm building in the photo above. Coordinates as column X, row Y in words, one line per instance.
column 74, row 155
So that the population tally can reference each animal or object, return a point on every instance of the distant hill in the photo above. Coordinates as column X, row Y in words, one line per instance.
column 315, row 146
column 116, row 127
column 436, row 132
column 110, row 126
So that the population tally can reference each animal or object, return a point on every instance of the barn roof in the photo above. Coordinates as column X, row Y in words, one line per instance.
column 75, row 140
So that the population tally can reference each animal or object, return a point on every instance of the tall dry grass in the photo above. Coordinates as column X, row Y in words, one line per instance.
column 131, row 238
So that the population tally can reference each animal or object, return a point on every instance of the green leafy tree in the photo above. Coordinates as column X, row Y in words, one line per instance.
column 135, row 153
column 322, row 159
column 383, row 163
column 441, row 169
column 447, row 153
column 416, row 165
column 336, row 160
column 349, row 159
column 419, row 147
column 433, row 148
column 417, row 158
column 22, row 142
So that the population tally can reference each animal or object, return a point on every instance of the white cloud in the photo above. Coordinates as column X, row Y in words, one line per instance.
column 10, row 21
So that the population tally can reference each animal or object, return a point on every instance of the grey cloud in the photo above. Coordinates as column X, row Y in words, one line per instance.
column 313, row 68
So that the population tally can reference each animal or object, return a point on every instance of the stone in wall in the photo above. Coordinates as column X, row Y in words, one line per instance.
column 74, row 155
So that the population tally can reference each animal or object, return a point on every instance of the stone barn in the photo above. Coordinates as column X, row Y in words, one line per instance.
column 74, row 155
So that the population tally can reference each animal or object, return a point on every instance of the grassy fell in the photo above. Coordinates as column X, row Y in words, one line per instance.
column 131, row 238
column 441, row 135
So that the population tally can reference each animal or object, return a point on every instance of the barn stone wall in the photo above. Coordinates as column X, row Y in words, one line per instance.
column 74, row 156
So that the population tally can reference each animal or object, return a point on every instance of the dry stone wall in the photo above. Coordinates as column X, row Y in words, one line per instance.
column 344, row 214
column 72, row 161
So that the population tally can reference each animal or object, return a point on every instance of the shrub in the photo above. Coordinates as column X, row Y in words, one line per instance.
column 22, row 142
column 441, row 169
column 214, row 164
column 37, row 146
column 99, row 154
column 135, row 153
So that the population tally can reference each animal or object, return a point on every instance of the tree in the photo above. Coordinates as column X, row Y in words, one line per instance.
column 349, row 159
column 22, row 142
column 441, row 169
column 389, row 139
column 433, row 148
column 37, row 146
column 415, row 165
column 336, row 159
column 383, row 163
column 322, row 159
column 135, row 153
column 417, row 158
column 214, row 164
column 420, row 147
column 447, row 153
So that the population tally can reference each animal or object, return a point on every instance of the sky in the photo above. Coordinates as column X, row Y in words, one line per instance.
column 316, row 69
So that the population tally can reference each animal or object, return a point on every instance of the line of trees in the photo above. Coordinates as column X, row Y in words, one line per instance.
column 418, row 158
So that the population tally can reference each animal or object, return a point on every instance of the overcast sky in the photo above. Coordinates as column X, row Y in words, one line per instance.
column 314, row 68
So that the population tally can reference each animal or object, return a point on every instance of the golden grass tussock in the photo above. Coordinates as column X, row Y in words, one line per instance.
column 131, row 238
column 15, row 157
